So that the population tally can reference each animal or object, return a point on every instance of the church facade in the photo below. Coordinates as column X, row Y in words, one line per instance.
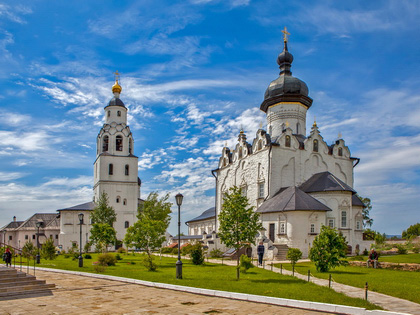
column 296, row 181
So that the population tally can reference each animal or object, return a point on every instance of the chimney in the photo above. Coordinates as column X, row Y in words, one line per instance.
column 14, row 218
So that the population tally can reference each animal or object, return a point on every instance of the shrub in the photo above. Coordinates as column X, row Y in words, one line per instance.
column 416, row 250
column 216, row 253
column 365, row 252
column 88, row 256
column 294, row 254
column 245, row 263
column 121, row 250
column 175, row 251
column 186, row 250
column 401, row 249
column 29, row 250
column 99, row 268
column 166, row 250
column 118, row 257
column 107, row 259
column 48, row 249
column 149, row 262
column 197, row 254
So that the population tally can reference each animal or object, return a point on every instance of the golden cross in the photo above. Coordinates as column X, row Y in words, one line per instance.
column 340, row 135
column 117, row 75
column 285, row 34
column 287, row 124
column 261, row 124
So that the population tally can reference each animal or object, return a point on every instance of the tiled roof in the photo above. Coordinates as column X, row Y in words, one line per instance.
column 44, row 217
column 208, row 214
column 325, row 181
column 13, row 225
column 292, row 199
column 355, row 201
column 84, row 206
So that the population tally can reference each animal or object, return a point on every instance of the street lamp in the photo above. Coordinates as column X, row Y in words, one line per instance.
column 81, row 215
column 179, row 198
column 38, row 257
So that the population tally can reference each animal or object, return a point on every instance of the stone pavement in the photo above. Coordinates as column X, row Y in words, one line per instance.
column 387, row 302
column 86, row 295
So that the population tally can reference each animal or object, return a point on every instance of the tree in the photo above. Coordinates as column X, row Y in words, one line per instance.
column 412, row 231
column 239, row 224
column 103, row 217
column 148, row 232
column 29, row 250
column 294, row 254
column 367, row 221
column 48, row 249
column 197, row 254
column 327, row 249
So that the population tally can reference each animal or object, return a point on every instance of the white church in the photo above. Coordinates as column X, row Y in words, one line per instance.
column 115, row 173
column 295, row 181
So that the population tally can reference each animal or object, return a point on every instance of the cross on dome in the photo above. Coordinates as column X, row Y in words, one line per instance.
column 285, row 34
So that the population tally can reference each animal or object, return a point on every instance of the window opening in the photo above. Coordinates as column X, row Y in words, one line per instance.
column 105, row 144
column 261, row 190
column 126, row 224
column 119, row 143
column 125, row 202
column 287, row 141
column 282, row 228
column 343, row 218
column 119, row 113
column 312, row 228
column 130, row 146
column 118, row 199
column 109, row 113
column 315, row 149
column 331, row 223
column 111, row 169
column 126, row 169
column 340, row 151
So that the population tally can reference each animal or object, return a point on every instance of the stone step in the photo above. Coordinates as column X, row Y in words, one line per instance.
column 28, row 288
column 20, row 283
column 16, row 279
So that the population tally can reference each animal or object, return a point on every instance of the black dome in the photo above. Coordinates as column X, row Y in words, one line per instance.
column 115, row 101
column 286, row 88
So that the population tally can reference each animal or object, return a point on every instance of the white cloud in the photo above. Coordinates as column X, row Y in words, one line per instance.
column 14, row 119
column 8, row 176
column 150, row 159
column 14, row 13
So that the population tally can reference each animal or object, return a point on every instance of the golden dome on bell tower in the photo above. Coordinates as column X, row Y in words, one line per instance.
column 116, row 88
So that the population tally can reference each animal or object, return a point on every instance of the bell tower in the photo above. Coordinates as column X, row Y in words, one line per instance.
column 116, row 167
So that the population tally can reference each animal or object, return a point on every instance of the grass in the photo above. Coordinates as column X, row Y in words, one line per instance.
column 402, row 284
column 409, row 258
column 217, row 277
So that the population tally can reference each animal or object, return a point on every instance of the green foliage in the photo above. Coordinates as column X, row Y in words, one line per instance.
column 99, row 268
column 216, row 253
column 175, row 251
column 149, row 262
column 148, row 232
column 103, row 217
column 87, row 256
column 416, row 249
column 401, row 249
column 367, row 221
column 166, row 250
column 369, row 234
column 365, row 252
column 239, row 224
column 121, row 250
column 294, row 254
column 245, row 263
column 48, row 249
column 380, row 238
column 87, row 247
column 186, row 250
column 118, row 257
column 412, row 231
column 197, row 254
column 327, row 249
column 107, row 259
column 29, row 250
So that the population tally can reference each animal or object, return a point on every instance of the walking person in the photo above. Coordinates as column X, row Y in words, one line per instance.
column 260, row 252
column 8, row 257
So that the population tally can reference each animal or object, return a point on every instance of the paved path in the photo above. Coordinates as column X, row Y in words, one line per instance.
column 86, row 295
column 387, row 302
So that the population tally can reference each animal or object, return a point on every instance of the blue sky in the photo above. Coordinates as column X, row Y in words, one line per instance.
column 193, row 73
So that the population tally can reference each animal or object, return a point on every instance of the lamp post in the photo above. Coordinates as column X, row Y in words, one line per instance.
column 179, row 198
column 38, row 257
column 81, row 215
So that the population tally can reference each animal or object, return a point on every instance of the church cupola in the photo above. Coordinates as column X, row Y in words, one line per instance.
column 286, row 98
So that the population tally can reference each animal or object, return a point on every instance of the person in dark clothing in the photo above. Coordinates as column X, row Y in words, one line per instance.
column 260, row 252
column 8, row 257
column 373, row 258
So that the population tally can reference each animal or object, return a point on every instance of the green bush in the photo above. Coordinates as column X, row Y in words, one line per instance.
column 149, row 262
column 99, row 268
column 401, row 249
column 416, row 250
column 29, row 250
column 216, row 253
column 107, row 259
column 166, row 250
column 48, row 249
column 175, row 251
column 186, row 250
column 88, row 256
column 245, row 263
column 121, row 250
column 294, row 254
column 197, row 254
column 118, row 257
column 365, row 252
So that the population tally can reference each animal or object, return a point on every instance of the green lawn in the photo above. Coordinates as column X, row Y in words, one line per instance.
column 409, row 258
column 217, row 277
column 402, row 284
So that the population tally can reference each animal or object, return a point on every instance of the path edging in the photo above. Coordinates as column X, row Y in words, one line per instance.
column 316, row 306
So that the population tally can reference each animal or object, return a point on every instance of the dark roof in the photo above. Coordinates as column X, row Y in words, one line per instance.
column 84, row 206
column 292, row 199
column 49, row 219
column 13, row 225
column 355, row 201
column 115, row 101
column 188, row 237
column 208, row 214
column 325, row 181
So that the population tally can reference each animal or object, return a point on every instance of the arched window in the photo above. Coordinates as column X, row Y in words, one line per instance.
column 117, row 200
column 125, row 202
column 315, row 149
column 270, row 130
column 126, row 224
column 119, row 113
column 130, row 146
column 343, row 219
column 340, row 151
column 119, row 143
column 297, row 128
column 259, row 145
column 109, row 113
column 126, row 169
column 240, row 153
column 287, row 141
column 105, row 144
column 111, row 169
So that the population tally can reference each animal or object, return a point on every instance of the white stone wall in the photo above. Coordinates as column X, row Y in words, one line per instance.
column 198, row 227
column 283, row 115
column 70, row 228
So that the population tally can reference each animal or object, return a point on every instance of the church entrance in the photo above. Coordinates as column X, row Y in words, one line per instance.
column 271, row 232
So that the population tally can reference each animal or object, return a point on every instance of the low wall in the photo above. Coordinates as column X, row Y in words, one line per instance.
column 388, row 265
